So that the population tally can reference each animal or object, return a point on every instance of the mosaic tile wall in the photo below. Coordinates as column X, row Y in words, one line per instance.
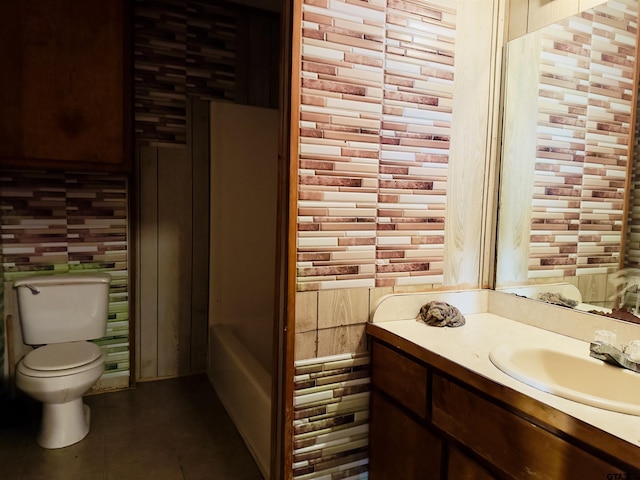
column 183, row 48
column 59, row 222
column 375, row 116
column 331, row 411
column 584, row 118
column 168, row 62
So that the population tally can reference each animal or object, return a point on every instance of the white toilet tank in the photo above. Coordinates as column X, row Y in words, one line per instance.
column 63, row 308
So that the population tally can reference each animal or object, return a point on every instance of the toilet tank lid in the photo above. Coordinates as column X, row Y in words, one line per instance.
column 63, row 279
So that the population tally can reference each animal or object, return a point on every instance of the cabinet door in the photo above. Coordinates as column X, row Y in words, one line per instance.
column 401, row 378
column 63, row 85
column 461, row 467
column 399, row 447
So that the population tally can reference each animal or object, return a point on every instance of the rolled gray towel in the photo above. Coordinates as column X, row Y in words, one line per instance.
column 557, row 299
column 440, row 314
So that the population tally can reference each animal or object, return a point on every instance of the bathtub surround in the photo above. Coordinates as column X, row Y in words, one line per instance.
column 57, row 222
column 241, row 320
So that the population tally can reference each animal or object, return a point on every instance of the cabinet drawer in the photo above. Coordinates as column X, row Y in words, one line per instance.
column 399, row 377
column 514, row 445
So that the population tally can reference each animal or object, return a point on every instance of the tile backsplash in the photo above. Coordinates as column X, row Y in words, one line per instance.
column 63, row 222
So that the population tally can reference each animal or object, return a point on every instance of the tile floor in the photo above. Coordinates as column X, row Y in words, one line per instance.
column 163, row 430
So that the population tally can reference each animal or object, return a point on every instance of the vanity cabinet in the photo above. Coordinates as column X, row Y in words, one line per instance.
column 431, row 418
column 400, row 446
column 65, row 93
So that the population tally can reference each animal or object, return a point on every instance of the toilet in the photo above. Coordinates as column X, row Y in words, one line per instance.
column 59, row 314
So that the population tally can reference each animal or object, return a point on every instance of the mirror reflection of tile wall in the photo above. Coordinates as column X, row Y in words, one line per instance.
column 563, row 198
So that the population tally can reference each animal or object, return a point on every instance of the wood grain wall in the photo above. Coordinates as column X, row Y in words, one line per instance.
column 530, row 15
column 173, row 233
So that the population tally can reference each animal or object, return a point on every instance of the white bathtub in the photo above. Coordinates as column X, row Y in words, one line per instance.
column 243, row 385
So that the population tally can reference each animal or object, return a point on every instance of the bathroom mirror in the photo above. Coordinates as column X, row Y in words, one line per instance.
column 567, row 159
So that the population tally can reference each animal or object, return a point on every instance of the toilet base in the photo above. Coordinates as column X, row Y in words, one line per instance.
column 63, row 424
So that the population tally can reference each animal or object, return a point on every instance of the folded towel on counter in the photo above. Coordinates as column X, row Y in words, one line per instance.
column 440, row 314
column 557, row 299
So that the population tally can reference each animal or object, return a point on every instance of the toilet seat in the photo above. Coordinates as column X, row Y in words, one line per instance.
column 60, row 359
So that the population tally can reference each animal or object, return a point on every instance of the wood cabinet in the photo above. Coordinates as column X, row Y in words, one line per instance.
column 462, row 467
column 400, row 446
column 429, row 419
column 65, row 96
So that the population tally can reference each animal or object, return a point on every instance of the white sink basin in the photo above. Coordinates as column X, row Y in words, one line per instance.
column 572, row 374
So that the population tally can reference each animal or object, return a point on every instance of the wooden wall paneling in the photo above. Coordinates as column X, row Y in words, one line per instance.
column 198, row 147
column 593, row 288
column 306, row 337
column 257, row 53
column 469, row 148
column 342, row 307
column 518, row 158
column 587, row 4
column 147, row 256
column 260, row 60
column 493, row 136
column 274, row 74
column 527, row 16
column 61, row 107
column 342, row 315
column 518, row 15
column 544, row 12
column 241, row 92
column 174, row 261
column 14, row 348
column 343, row 339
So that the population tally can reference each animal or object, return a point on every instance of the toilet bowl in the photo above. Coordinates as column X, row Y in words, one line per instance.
column 58, row 375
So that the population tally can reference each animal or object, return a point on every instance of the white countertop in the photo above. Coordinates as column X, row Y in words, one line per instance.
column 470, row 345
